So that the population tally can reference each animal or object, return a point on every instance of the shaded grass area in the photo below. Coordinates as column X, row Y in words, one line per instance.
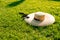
column 13, row 27
column 15, row 3
column 54, row 0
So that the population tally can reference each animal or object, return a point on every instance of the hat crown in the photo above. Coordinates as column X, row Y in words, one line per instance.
column 39, row 14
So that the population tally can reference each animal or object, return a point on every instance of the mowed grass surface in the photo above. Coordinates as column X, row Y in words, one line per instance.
column 13, row 27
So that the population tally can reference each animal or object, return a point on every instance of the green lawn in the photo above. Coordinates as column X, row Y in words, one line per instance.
column 13, row 27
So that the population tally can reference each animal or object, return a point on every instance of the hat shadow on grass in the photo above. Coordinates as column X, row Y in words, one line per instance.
column 40, row 28
column 13, row 4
